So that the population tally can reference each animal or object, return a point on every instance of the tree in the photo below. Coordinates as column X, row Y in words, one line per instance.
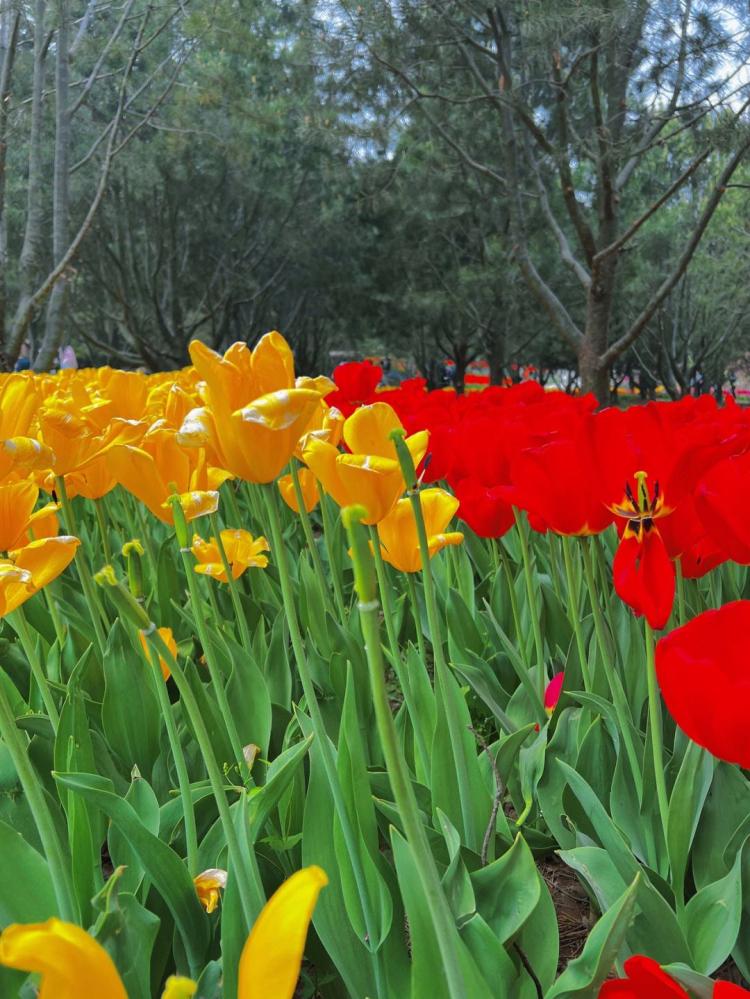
column 584, row 94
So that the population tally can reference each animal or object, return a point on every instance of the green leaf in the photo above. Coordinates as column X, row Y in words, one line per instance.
column 507, row 890
column 130, row 710
column 685, row 806
column 584, row 975
column 163, row 866
column 27, row 894
column 144, row 803
column 712, row 919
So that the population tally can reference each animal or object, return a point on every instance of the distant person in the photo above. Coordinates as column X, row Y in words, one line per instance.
column 24, row 358
column 68, row 359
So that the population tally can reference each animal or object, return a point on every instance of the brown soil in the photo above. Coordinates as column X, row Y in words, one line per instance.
column 574, row 915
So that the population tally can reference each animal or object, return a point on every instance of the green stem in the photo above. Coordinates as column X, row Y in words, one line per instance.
column 574, row 609
column 403, row 792
column 654, row 718
column 531, row 594
column 304, row 517
column 87, row 583
column 18, row 622
column 59, row 865
column 321, row 736
column 248, row 878
column 183, row 780
column 338, row 592
column 234, row 592
column 615, row 687
column 443, row 676
column 214, row 671
column 103, row 531
column 412, row 587
column 54, row 613
column 681, row 614
column 402, row 674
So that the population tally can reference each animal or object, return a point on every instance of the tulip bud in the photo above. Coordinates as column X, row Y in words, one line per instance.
column 180, row 523
column 125, row 603
column 133, row 552
column 405, row 460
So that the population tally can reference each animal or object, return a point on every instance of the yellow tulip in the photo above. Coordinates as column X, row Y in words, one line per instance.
column 31, row 568
column 254, row 415
column 149, row 471
column 209, row 886
column 243, row 551
column 370, row 474
column 272, row 955
column 76, row 440
column 398, row 531
column 72, row 964
column 308, row 488
column 168, row 638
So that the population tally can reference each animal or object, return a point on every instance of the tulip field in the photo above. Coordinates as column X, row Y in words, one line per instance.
column 306, row 686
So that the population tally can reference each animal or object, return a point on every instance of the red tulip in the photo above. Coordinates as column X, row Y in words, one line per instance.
column 356, row 382
column 645, row 980
column 703, row 672
column 486, row 510
column 643, row 572
column 552, row 692
column 721, row 501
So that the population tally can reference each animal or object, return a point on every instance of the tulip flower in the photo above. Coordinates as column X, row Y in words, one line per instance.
column 243, row 552
column 272, row 955
column 720, row 502
column 643, row 572
column 647, row 980
column 73, row 965
column 29, row 569
column 168, row 639
column 398, row 531
column 254, row 415
column 209, row 886
column 552, row 692
column 308, row 487
column 76, row 440
column 702, row 671
column 157, row 465
column 369, row 475
column 18, row 521
column 356, row 383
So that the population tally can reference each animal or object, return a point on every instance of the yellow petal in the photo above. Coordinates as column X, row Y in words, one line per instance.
column 17, row 501
column 322, row 459
column 15, row 587
column 308, row 488
column 72, row 964
column 198, row 503
column 179, row 988
column 46, row 558
column 272, row 955
column 367, row 430
column 373, row 481
column 438, row 509
column 273, row 363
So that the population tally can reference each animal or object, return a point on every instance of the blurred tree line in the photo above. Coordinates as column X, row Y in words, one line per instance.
column 562, row 185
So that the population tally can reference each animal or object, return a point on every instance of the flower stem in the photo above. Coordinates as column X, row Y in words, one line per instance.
column 531, row 594
column 654, row 718
column 412, row 587
column 183, row 781
column 618, row 695
column 321, row 736
column 234, row 591
column 403, row 792
column 304, row 517
column 249, row 884
column 574, row 609
column 59, row 865
column 20, row 625
column 338, row 593
column 87, row 584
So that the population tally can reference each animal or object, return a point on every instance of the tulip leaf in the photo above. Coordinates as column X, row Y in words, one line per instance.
column 128, row 931
column 130, row 711
column 27, row 894
column 584, row 976
column 163, row 866
column 685, row 806
column 144, row 803
column 507, row 890
column 712, row 919
column 480, row 677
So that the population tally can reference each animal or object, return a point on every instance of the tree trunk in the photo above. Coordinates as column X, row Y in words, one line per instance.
column 54, row 329
column 28, row 271
column 9, row 25
column 599, row 300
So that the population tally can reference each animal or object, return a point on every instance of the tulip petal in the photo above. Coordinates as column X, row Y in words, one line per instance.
column 272, row 955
